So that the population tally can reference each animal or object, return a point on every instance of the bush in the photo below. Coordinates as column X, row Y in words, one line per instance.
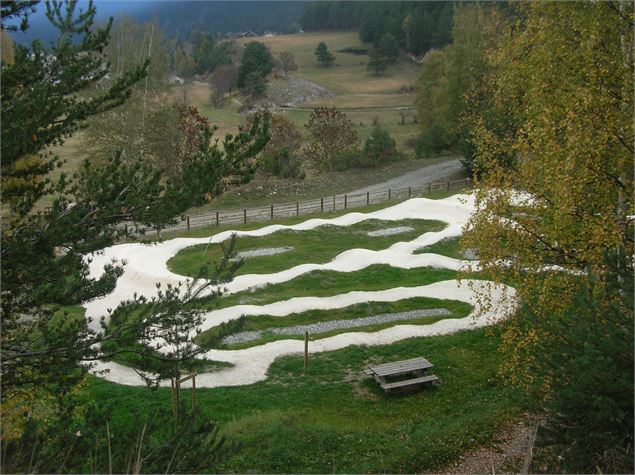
column 283, row 164
column 354, row 50
column 380, row 148
column 432, row 142
column 331, row 136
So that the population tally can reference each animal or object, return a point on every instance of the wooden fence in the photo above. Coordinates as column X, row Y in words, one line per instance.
column 314, row 206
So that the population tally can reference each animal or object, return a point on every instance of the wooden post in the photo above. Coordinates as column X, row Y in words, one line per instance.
column 158, row 233
column 194, row 393
column 345, row 200
column 217, row 219
column 126, row 229
column 429, row 188
column 297, row 208
column 173, row 397
column 389, row 193
column 448, row 185
column 188, row 223
column 367, row 198
column 321, row 205
column 306, row 350
column 333, row 202
column 245, row 215
column 271, row 211
column 409, row 192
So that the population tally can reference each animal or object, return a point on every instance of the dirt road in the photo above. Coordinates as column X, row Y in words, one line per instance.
column 450, row 169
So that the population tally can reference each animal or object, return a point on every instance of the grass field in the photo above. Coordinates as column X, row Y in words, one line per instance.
column 331, row 418
column 323, row 283
column 363, row 96
column 264, row 322
column 317, row 245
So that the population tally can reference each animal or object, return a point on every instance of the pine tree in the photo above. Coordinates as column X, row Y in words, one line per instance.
column 377, row 62
column 323, row 54
column 46, row 96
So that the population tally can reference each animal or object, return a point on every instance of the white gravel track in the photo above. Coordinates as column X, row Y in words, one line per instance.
column 146, row 265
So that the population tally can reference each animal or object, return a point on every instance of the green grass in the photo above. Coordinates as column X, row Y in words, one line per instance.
column 263, row 322
column 323, row 283
column 330, row 418
column 449, row 247
column 319, row 245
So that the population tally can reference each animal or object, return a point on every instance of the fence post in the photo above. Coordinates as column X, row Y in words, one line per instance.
column 448, row 185
column 126, row 229
column 306, row 349
column 321, row 205
column 217, row 219
column 245, row 215
column 297, row 208
column 429, row 188
column 389, row 193
column 333, row 202
column 409, row 192
column 345, row 200
column 271, row 211
column 158, row 233
column 188, row 223
column 367, row 198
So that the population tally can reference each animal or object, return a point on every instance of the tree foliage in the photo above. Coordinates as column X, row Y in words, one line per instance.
column 331, row 135
column 416, row 26
column 377, row 62
column 287, row 60
column 46, row 96
column 223, row 80
column 554, row 213
column 323, row 55
column 256, row 59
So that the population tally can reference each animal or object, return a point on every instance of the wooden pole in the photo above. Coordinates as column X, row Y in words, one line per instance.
column 217, row 219
column 245, row 215
column 321, row 205
column 367, row 198
column 194, row 393
column 271, row 211
column 409, row 192
column 333, row 202
column 306, row 350
column 345, row 201
column 188, row 223
column 158, row 233
column 297, row 208
column 429, row 188
column 448, row 185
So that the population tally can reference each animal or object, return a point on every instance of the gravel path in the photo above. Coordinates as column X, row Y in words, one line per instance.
column 389, row 231
column 328, row 326
column 424, row 175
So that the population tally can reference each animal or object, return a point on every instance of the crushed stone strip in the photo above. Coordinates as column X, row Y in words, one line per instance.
column 390, row 231
column 327, row 326
column 265, row 251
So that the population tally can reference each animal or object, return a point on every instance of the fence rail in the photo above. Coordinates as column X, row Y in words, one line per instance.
column 314, row 206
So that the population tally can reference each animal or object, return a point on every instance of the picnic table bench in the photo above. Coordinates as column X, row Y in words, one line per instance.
column 385, row 374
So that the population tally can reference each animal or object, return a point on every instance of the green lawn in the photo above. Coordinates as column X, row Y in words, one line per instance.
column 331, row 418
column 319, row 245
column 449, row 247
column 263, row 322
column 323, row 283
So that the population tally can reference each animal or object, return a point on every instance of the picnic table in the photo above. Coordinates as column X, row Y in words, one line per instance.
column 402, row 374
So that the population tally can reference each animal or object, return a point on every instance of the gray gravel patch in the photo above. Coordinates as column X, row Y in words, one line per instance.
column 390, row 231
column 325, row 327
column 265, row 251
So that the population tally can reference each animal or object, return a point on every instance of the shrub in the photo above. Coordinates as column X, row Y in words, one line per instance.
column 281, row 155
column 331, row 135
column 354, row 50
column 431, row 142
column 380, row 147
column 283, row 164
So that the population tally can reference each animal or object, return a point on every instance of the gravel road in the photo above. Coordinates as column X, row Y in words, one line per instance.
column 424, row 175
